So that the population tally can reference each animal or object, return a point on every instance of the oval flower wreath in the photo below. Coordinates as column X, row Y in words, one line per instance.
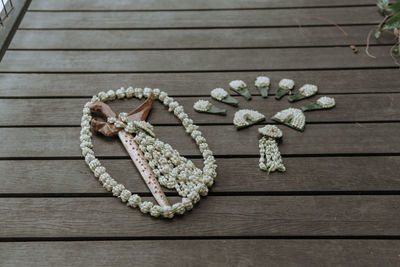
column 170, row 168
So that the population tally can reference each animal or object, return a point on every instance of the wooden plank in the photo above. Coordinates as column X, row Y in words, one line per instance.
column 192, row 60
column 53, row 112
column 185, row 4
column 60, row 85
column 309, row 174
column 203, row 19
column 199, row 38
column 251, row 252
column 250, row 216
column 371, row 138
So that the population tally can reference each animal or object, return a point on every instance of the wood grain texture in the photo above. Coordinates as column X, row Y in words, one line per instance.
column 53, row 112
column 196, row 19
column 193, row 252
column 184, row 4
column 193, row 84
column 253, row 216
column 192, row 60
column 199, row 38
column 317, row 139
column 235, row 175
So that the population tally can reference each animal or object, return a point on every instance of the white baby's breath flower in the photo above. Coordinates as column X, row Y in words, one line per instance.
column 326, row 102
column 202, row 105
column 286, row 84
column 262, row 81
column 219, row 93
column 308, row 90
column 237, row 84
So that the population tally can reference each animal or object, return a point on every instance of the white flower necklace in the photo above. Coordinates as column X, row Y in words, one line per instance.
column 170, row 169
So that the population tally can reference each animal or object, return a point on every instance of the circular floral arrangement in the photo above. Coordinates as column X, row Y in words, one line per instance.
column 171, row 169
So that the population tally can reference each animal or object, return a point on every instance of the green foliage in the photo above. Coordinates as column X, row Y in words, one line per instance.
column 382, row 6
column 392, row 23
column 395, row 8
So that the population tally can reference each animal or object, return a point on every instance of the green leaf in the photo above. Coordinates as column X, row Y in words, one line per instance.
column 281, row 93
column 243, row 92
column 377, row 34
column 296, row 97
column 230, row 101
column 216, row 110
column 311, row 106
column 382, row 5
column 263, row 91
column 395, row 8
column 393, row 22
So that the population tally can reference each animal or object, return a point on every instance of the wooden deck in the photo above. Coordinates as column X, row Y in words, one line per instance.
column 337, row 204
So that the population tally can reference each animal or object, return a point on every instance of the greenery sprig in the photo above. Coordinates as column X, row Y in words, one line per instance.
column 390, row 22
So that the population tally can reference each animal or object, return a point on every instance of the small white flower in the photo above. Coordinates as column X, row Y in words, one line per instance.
column 286, row 84
column 118, row 189
column 134, row 200
column 308, row 90
column 202, row 105
column 219, row 93
column 129, row 92
column 155, row 211
column 102, row 96
column 326, row 102
column 125, row 195
column 262, row 81
column 271, row 131
column 120, row 93
column 237, row 84
column 111, row 94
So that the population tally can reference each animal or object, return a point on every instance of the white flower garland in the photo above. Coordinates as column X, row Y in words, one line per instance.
column 270, row 157
column 172, row 170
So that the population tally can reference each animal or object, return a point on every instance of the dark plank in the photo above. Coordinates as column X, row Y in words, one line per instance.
column 219, row 253
column 329, row 81
column 349, row 108
column 328, row 139
column 214, row 217
column 196, row 19
column 192, row 60
column 308, row 174
column 184, row 4
column 200, row 38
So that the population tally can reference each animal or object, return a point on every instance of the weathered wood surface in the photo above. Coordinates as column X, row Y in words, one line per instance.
column 317, row 139
column 342, row 181
column 200, row 84
column 52, row 112
column 203, row 19
column 304, row 174
column 219, row 253
column 185, row 4
column 191, row 60
column 198, row 38
column 253, row 216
